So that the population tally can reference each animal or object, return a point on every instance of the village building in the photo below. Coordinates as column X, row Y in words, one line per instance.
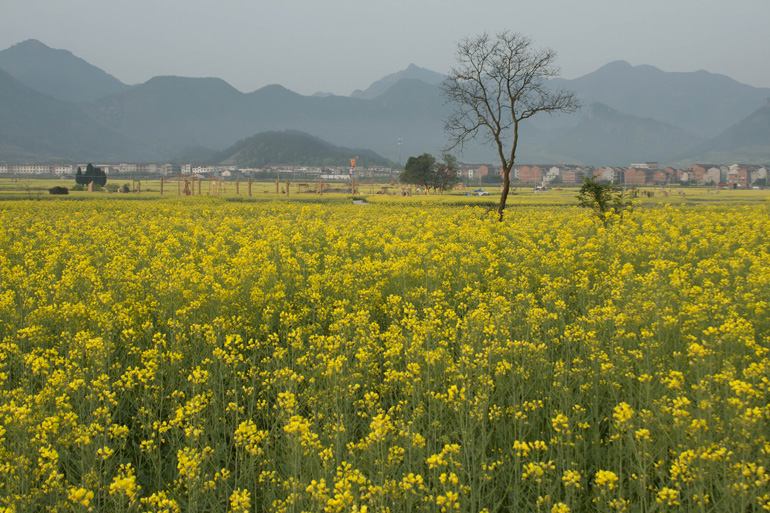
column 759, row 174
column 634, row 176
column 712, row 176
column 569, row 177
column 738, row 177
column 660, row 177
column 529, row 174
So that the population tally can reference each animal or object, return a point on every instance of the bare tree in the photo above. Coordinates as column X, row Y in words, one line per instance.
column 500, row 81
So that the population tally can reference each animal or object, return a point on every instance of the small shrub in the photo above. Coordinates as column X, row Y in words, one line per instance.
column 606, row 199
column 58, row 190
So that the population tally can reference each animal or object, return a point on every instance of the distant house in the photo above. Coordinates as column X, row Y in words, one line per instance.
column 738, row 177
column 471, row 171
column 553, row 174
column 697, row 172
column 760, row 173
column 63, row 169
column 673, row 174
column 637, row 176
column 659, row 177
column 609, row 174
column 33, row 169
column 127, row 168
column 170, row 169
column 529, row 174
column 713, row 175
column 569, row 177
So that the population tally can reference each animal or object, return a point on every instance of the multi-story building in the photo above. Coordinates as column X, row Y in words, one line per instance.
column 635, row 176
column 738, row 177
column 712, row 176
column 63, row 169
column 33, row 169
column 533, row 174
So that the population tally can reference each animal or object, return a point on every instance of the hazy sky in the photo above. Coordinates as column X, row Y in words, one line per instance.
column 342, row 45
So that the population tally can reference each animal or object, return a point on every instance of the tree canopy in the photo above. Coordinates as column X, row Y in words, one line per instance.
column 92, row 174
column 425, row 171
column 417, row 170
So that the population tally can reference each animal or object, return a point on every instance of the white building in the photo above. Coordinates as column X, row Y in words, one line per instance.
column 127, row 168
column 611, row 174
column 34, row 169
column 552, row 174
column 759, row 174
column 63, row 170
column 712, row 175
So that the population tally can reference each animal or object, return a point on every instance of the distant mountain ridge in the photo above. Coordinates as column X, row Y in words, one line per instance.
column 701, row 102
column 747, row 141
column 170, row 113
column 292, row 147
column 33, row 126
column 412, row 72
column 57, row 73
column 622, row 137
column 632, row 113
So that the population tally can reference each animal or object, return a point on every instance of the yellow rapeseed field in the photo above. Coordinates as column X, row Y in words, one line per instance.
column 206, row 355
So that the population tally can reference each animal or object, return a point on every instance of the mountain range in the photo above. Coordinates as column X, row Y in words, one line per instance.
column 54, row 105
column 291, row 147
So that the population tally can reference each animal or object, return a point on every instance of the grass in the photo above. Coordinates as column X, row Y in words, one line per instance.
column 37, row 189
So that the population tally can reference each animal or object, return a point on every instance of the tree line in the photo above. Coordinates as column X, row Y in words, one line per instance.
column 92, row 174
column 424, row 171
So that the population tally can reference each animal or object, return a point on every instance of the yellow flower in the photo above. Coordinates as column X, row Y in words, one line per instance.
column 622, row 413
column 571, row 478
column 560, row 424
column 240, row 500
column 80, row 496
column 125, row 483
column 560, row 507
column 249, row 437
column 668, row 496
column 606, row 479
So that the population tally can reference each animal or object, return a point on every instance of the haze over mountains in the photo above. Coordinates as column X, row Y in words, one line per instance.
column 54, row 105
column 290, row 146
column 57, row 73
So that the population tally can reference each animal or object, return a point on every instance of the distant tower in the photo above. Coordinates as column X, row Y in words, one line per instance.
column 399, row 151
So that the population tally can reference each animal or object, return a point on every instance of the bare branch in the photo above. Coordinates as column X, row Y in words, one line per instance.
column 498, row 82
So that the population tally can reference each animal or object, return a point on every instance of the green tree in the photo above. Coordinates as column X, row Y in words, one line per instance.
column 418, row 170
column 499, row 82
column 101, row 177
column 446, row 173
column 94, row 174
column 425, row 172
column 79, row 179
column 606, row 199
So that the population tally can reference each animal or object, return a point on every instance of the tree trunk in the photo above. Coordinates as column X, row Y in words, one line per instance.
column 504, row 193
